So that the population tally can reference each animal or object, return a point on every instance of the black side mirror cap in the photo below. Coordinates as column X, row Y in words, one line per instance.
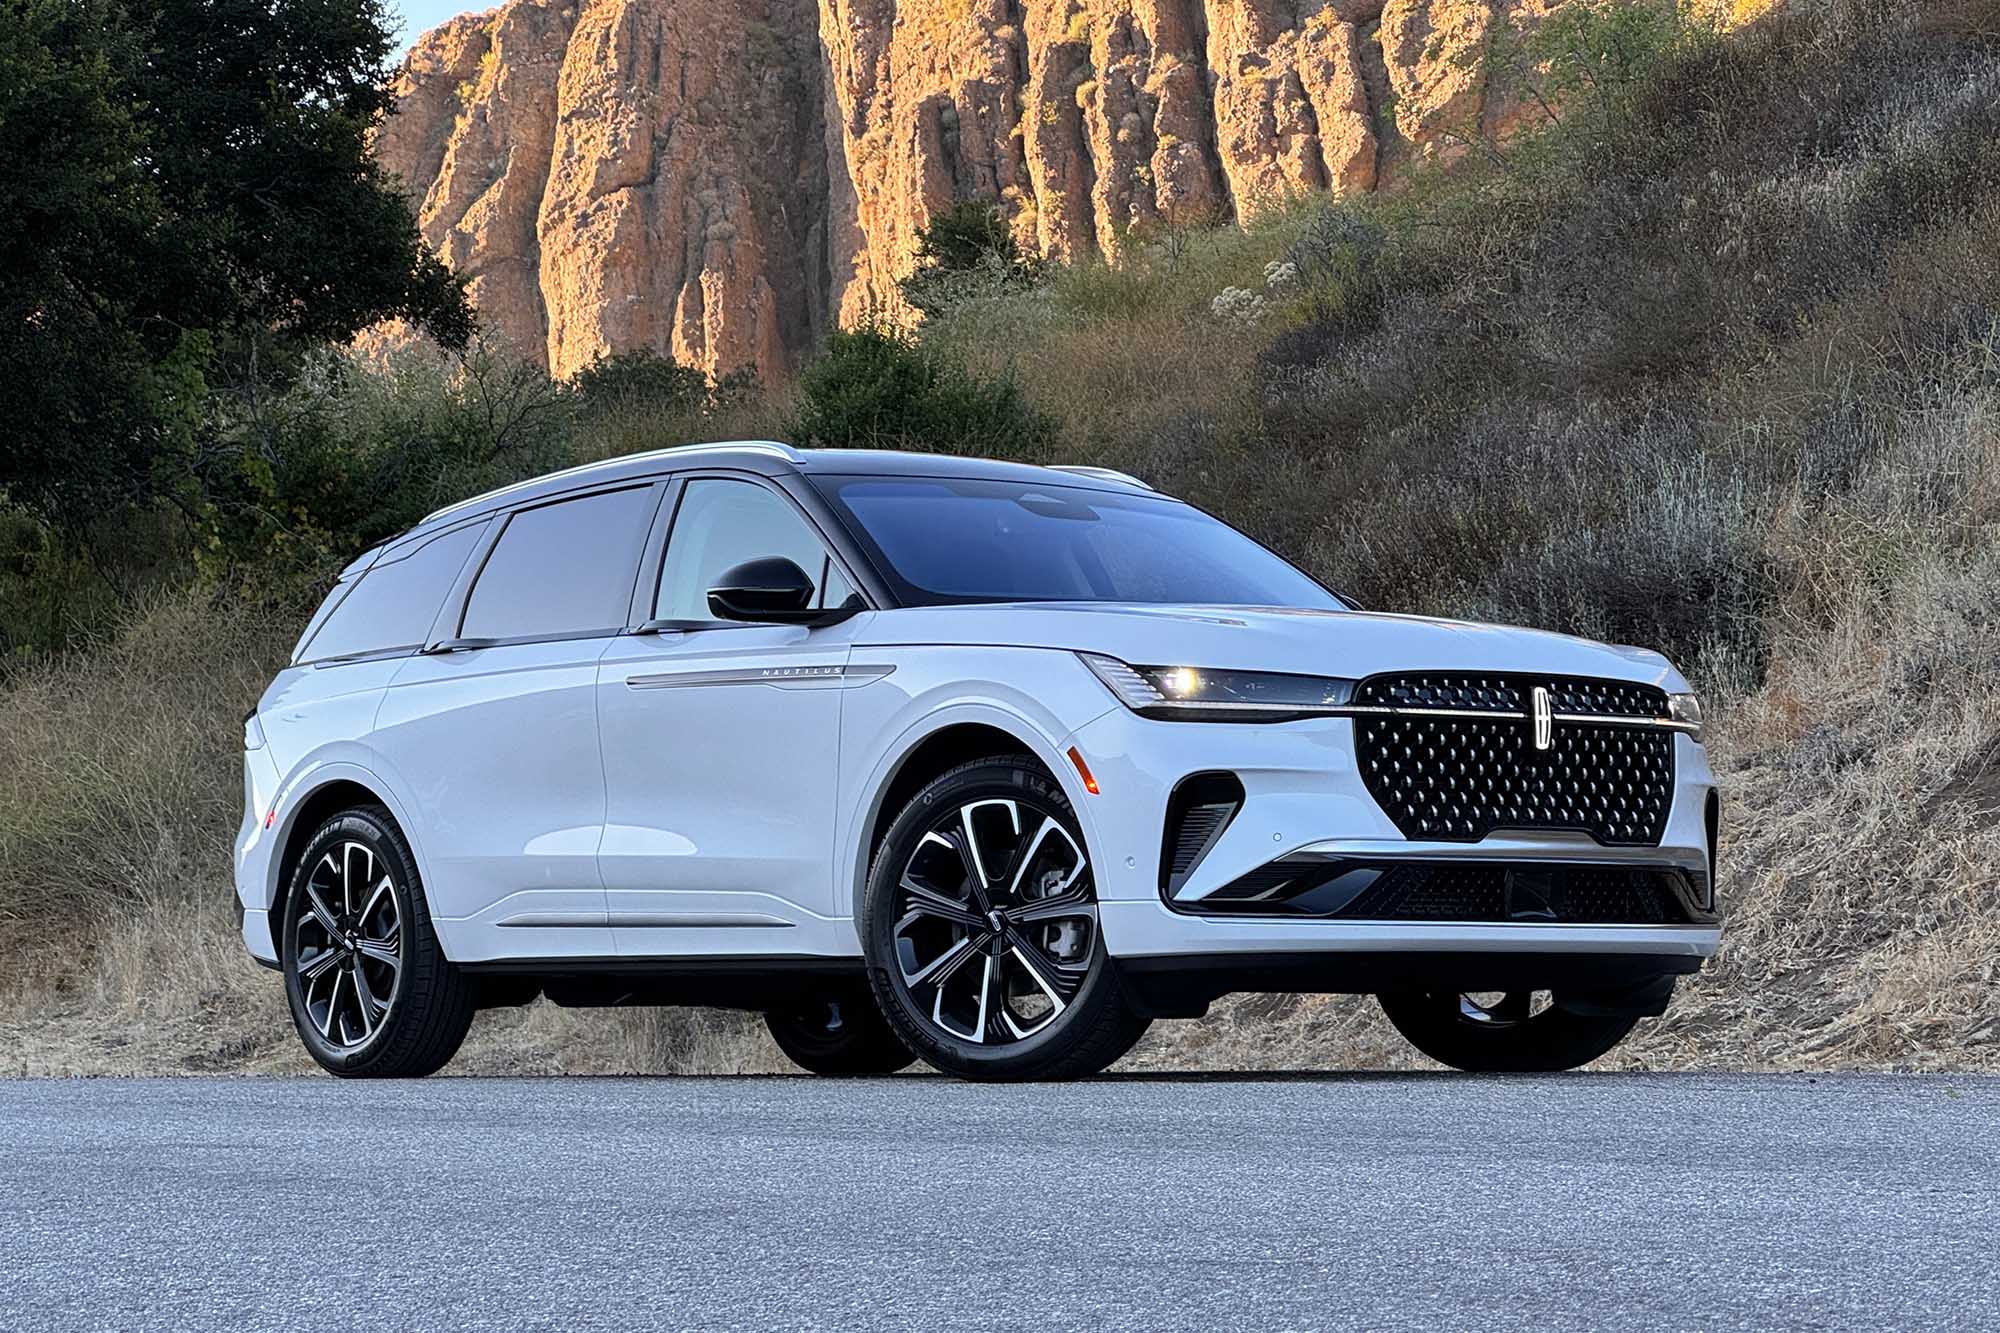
column 771, row 591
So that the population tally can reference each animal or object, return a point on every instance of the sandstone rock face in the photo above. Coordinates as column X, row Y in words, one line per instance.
column 718, row 180
column 617, row 175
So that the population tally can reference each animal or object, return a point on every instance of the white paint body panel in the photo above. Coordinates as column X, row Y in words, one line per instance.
column 719, row 751
column 496, row 753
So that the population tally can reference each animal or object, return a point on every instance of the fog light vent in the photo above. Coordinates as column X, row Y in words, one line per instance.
column 1198, row 812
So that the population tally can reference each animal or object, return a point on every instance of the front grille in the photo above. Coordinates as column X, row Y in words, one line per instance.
column 1460, row 776
column 1526, row 893
column 1569, row 896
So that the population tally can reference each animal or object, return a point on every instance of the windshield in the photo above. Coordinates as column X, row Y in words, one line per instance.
column 944, row 539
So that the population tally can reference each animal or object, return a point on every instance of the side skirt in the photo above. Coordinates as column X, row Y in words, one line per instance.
column 744, row 982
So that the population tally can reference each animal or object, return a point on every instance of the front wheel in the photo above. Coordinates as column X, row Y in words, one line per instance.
column 838, row 1031
column 980, row 927
column 371, row 992
column 1516, row 1032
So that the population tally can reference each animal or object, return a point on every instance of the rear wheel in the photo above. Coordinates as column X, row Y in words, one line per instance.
column 1515, row 1032
column 371, row 992
column 980, row 926
column 838, row 1031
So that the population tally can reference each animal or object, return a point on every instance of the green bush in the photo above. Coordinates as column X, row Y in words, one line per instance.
column 638, row 381
column 641, row 400
column 963, row 253
column 877, row 388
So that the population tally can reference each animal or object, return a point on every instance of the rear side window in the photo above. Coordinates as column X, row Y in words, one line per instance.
column 393, row 604
column 561, row 569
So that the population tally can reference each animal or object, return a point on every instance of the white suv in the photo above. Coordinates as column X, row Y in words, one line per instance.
column 985, row 763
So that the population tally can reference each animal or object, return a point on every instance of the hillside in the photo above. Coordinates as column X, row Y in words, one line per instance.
column 1710, row 363
column 723, row 180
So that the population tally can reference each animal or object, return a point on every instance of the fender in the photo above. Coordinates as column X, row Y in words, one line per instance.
column 298, row 789
column 1042, row 736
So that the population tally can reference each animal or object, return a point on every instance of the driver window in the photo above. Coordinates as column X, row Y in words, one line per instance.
column 722, row 523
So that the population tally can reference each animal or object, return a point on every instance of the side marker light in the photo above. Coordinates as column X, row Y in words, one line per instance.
column 1083, row 771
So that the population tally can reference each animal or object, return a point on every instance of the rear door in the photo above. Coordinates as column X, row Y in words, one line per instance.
column 493, row 730
column 721, row 741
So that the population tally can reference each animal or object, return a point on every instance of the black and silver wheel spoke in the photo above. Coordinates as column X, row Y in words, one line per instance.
column 1073, row 905
column 1503, row 1010
column 940, row 969
column 996, row 931
column 321, row 913
column 348, row 945
column 1059, row 979
column 929, row 902
column 368, row 1007
column 312, row 969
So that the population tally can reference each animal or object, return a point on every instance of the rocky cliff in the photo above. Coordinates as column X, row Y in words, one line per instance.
column 719, row 179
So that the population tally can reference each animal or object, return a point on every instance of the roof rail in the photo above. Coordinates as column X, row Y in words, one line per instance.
column 784, row 451
column 1099, row 474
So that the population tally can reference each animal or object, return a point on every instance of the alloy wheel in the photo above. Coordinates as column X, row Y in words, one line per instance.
column 1502, row 1009
column 995, row 921
column 348, row 933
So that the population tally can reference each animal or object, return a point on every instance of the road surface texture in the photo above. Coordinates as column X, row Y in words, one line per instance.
column 1313, row 1202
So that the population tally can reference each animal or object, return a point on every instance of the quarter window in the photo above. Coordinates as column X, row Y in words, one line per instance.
column 722, row 523
column 561, row 569
column 393, row 604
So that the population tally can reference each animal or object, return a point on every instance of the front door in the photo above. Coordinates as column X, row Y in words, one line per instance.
column 720, row 746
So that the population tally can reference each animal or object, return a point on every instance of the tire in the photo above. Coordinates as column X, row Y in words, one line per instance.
column 1506, row 1037
column 981, row 933
column 371, row 992
column 839, row 1031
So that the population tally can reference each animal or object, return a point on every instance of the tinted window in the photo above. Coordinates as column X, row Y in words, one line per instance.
column 564, row 568
column 950, row 540
column 721, row 524
column 393, row 605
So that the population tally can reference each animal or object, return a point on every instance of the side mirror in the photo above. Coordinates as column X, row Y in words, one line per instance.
column 771, row 591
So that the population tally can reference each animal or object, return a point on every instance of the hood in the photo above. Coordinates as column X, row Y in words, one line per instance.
column 1353, row 644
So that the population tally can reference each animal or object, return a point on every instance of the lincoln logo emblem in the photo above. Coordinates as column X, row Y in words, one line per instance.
column 1545, row 720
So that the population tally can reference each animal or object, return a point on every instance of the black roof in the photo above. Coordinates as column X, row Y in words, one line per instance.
column 769, row 459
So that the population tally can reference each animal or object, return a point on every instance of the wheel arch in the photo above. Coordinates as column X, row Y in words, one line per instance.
column 925, row 754
column 333, row 790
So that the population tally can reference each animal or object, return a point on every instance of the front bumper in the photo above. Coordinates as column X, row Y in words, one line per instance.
column 256, row 846
column 1304, row 798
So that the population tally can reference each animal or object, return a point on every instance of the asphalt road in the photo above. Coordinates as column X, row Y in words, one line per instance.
column 1415, row 1200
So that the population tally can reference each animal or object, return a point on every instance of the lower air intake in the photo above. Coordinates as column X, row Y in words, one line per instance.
column 1528, row 893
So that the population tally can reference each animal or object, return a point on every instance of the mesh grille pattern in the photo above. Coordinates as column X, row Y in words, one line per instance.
column 1568, row 896
column 1457, row 779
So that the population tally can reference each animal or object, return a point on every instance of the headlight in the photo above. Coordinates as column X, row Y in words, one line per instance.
column 1686, row 708
column 1197, row 694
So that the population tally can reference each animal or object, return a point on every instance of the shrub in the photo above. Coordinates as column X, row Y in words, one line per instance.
column 876, row 388
column 642, row 400
column 638, row 381
column 963, row 253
